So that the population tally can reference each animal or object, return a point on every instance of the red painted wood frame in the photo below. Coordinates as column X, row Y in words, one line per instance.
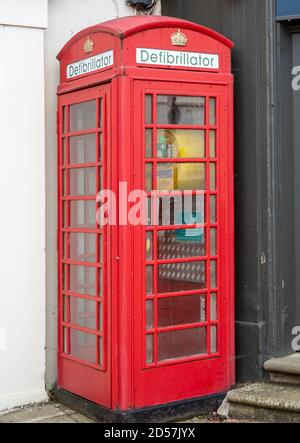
column 84, row 275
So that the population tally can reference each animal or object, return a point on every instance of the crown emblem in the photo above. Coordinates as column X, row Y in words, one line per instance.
column 88, row 45
column 179, row 39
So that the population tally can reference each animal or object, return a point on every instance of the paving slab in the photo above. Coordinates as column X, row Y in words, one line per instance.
column 32, row 413
column 50, row 412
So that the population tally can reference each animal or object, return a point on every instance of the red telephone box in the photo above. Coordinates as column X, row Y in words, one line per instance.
column 145, row 118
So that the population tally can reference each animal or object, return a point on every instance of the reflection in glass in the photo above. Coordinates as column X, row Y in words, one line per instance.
column 174, row 311
column 180, row 143
column 212, row 111
column 83, row 312
column 181, row 343
column 180, row 110
column 83, row 214
column 83, row 247
column 213, row 209
column 83, row 181
column 101, row 112
column 212, row 174
column 213, row 274
column 148, row 142
column 82, row 280
column 148, row 177
column 178, row 277
column 180, row 243
column 83, row 116
column 100, row 313
column 149, row 348
column 212, row 144
column 181, row 210
column 213, row 241
column 149, row 109
column 213, row 307
column 66, row 340
column 180, row 176
column 213, row 339
column 83, row 346
column 100, row 344
column 83, row 149
column 149, row 279
column 100, row 146
column 149, row 246
column 149, row 314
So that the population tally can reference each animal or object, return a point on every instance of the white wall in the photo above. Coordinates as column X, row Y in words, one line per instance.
column 22, row 219
column 66, row 18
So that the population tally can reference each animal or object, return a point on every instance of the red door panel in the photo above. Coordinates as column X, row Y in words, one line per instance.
column 84, row 302
column 183, row 256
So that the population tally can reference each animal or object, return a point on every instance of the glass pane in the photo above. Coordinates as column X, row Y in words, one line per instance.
column 83, row 346
column 83, row 312
column 149, row 246
column 180, row 143
column 83, row 247
column 100, row 281
column 65, row 278
column 64, row 183
column 65, row 340
column 180, row 210
column 83, row 116
column 148, row 178
column 64, row 153
column 175, row 311
column 213, row 241
column 83, row 149
column 212, row 111
column 100, row 146
column 149, row 279
column 212, row 144
column 83, row 280
column 180, row 243
column 100, row 308
column 212, row 173
column 149, row 142
column 178, row 277
column 65, row 309
column 100, row 185
column 149, row 216
column 213, row 274
column 213, row 339
column 213, row 209
column 213, row 307
column 100, row 351
column 101, row 113
column 149, row 348
column 100, row 258
column 149, row 109
column 182, row 343
column 64, row 122
column 83, row 181
column 180, row 176
column 149, row 314
column 180, row 110
column 83, row 214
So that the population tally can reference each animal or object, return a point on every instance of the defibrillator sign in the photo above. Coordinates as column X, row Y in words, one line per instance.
column 91, row 64
column 186, row 59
